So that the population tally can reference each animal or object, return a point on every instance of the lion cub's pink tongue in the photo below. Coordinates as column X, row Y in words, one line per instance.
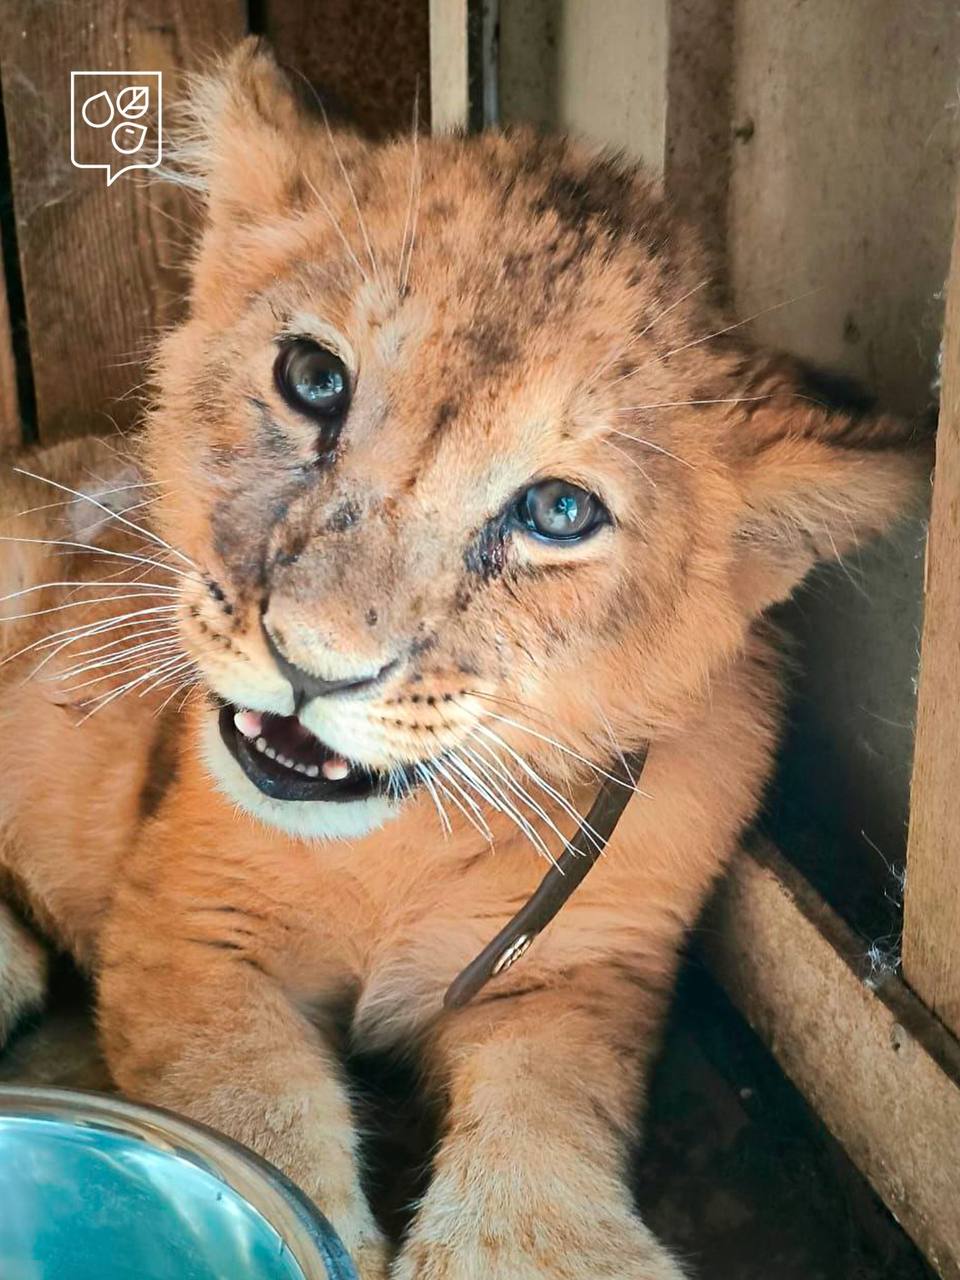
column 251, row 724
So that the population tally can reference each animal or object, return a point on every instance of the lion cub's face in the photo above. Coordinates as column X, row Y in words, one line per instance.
column 472, row 485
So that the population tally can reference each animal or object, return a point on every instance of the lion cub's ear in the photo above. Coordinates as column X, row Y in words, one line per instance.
column 252, row 139
column 816, row 478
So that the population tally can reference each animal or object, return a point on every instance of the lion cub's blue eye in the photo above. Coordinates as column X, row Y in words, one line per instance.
column 560, row 511
column 312, row 379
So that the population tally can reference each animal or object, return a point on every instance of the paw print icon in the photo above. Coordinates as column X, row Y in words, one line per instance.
column 115, row 122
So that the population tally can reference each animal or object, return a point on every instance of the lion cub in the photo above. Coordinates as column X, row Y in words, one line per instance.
column 457, row 488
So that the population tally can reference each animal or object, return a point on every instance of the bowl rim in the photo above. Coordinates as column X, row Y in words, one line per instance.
column 303, row 1228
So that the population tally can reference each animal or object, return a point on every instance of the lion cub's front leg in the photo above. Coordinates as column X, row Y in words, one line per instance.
column 192, row 1019
column 530, row 1179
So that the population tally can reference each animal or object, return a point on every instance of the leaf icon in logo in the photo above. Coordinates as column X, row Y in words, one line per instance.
column 129, row 138
column 97, row 111
column 133, row 101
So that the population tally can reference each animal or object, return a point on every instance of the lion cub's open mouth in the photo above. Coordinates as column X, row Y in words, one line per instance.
column 284, row 760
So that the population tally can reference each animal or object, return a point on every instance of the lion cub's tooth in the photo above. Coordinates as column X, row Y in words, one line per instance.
column 249, row 723
column 313, row 771
column 336, row 770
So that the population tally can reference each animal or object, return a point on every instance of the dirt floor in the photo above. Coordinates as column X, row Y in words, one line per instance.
column 737, row 1174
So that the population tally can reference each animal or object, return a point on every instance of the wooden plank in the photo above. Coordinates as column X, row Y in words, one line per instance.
column 842, row 140
column 596, row 70
column 98, row 263
column 10, row 435
column 698, row 133
column 879, row 1069
column 931, row 927
column 367, row 58
column 449, row 65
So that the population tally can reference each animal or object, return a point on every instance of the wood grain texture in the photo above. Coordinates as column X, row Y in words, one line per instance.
column 9, row 403
column 99, row 264
column 880, row 1071
column 367, row 58
column 698, row 129
column 449, row 80
column 840, row 215
column 931, row 932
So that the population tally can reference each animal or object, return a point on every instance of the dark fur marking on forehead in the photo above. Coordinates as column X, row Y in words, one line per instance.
column 488, row 342
column 439, row 210
column 447, row 410
column 606, row 197
column 516, row 266
column 344, row 517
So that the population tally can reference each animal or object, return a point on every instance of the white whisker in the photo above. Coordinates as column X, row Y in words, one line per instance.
column 148, row 661
column 518, row 790
column 648, row 444
column 642, row 334
column 100, row 551
column 339, row 230
column 166, row 644
column 427, row 780
column 569, row 809
column 559, row 746
column 737, row 324
column 477, row 819
column 353, row 195
column 113, row 515
column 483, row 830
column 68, row 502
column 503, row 803
column 413, row 211
column 633, row 462
column 87, row 630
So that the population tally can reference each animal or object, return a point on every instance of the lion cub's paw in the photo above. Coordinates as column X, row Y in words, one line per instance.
column 367, row 1246
column 372, row 1259
column 613, row 1250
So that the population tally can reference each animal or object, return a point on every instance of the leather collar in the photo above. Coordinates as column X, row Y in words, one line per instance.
column 556, row 887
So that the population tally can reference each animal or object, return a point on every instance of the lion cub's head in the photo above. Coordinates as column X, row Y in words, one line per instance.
column 475, row 480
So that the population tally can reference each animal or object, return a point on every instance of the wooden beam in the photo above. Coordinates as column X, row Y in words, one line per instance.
column 99, row 264
column 881, row 1072
column 9, row 401
column 931, row 925
column 464, row 64
column 449, row 75
column 698, row 129
column 368, row 60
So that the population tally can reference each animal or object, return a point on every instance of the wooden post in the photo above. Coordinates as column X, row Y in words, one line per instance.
column 367, row 60
column 99, row 263
column 464, row 72
column 931, row 926
column 9, row 402
column 880, row 1071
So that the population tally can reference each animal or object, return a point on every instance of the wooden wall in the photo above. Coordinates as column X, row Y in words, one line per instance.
column 98, row 267
column 817, row 145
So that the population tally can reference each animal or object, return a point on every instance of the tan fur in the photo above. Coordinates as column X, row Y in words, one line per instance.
column 547, row 300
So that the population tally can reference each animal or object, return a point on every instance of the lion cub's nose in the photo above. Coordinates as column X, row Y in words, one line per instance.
column 306, row 686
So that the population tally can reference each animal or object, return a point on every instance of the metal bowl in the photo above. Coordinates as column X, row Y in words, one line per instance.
column 96, row 1188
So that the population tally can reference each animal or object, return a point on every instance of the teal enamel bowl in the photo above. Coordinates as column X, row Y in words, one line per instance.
column 96, row 1188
